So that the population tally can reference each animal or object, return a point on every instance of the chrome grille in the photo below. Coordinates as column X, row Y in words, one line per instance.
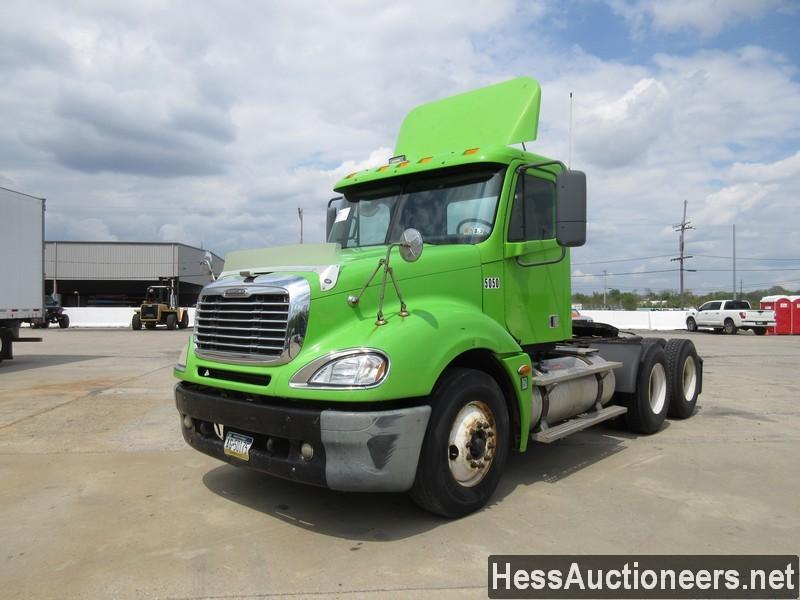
column 252, row 328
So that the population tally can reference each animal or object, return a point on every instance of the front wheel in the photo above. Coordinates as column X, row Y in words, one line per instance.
column 691, row 324
column 184, row 322
column 136, row 322
column 466, row 445
column 648, row 405
column 171, row 321
column 63, row 321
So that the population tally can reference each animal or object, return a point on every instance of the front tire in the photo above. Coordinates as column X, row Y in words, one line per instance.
column 172, row 320
column 184, row 322
column 691, row 324
column 647, row 407
column 685, row 375
column 136, row 322
column 729, row 328
column 63, row 321
column 466, row 445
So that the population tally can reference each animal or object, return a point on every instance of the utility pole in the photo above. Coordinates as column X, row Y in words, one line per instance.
column 300, row 214
column 604, row 288
column 734, row 261
column 682, row 227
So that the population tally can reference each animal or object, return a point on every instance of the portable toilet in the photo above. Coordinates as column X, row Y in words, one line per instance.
column 795, row 302
column 783, row 314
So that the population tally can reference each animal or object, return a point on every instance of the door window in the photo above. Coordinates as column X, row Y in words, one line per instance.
column 533, row 217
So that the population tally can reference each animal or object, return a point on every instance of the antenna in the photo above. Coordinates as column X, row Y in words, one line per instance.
column 683, row 226
column 569, row 159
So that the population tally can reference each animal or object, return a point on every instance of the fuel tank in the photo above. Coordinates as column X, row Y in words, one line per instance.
column 566, row 386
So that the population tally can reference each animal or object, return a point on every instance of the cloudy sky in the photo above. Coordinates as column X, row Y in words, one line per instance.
column 210, row 123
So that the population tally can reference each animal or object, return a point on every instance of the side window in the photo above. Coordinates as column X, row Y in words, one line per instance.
column 714, row 305
column 705, row 306
column 533, row 218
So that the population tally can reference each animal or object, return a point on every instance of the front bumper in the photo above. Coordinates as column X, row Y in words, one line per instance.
column 373, row 451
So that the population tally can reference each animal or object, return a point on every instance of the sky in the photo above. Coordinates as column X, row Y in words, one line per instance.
column 211, row 123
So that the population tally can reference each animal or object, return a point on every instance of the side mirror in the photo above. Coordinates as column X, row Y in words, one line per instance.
column 411, row 245
column 571, row 208
column 330, row 216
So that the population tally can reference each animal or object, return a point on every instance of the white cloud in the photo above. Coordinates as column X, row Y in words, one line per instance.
column 780, row 170
column 151, row 120
column 704, row 17
column 729, row 203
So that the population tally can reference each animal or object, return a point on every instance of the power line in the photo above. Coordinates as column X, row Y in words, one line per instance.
column 629, row 273
column 740, row 270
column 616, row 260
column 747, row 258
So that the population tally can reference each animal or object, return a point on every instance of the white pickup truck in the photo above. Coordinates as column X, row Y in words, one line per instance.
column 729, row 316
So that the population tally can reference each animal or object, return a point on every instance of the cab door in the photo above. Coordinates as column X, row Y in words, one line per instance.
column 536, row 269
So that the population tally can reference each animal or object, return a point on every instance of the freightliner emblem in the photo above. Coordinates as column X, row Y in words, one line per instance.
column 235, row 293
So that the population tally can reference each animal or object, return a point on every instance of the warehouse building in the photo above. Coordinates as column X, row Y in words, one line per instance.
column 118, row 273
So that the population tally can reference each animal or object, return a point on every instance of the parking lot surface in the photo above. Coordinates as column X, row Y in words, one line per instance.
column 100, row 496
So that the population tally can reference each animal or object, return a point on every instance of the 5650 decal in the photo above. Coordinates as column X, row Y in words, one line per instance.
column 491, row 283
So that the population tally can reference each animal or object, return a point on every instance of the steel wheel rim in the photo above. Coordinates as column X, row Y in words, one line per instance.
column 471, row 444
column 658, row 388
column 689, row 378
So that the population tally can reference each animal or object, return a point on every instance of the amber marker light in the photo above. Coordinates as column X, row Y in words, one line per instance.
column 524, row 370
column 471, row 151
column 426, row 159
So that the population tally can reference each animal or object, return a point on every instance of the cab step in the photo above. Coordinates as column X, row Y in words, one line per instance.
column 579, row 423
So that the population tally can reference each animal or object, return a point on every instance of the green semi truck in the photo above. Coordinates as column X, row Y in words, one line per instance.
column 432, row 334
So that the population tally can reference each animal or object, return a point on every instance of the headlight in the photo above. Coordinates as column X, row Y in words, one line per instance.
column 364, row 369
column 181, row 364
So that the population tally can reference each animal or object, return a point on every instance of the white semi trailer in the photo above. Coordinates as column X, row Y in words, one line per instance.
column 21, row 265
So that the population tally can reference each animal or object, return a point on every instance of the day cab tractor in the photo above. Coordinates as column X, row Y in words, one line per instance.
column 338, row 365
column 54, row 314
column 160, row 307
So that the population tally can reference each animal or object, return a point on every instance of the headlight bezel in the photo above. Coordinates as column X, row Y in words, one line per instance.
column 183, row 357
column 303, row 378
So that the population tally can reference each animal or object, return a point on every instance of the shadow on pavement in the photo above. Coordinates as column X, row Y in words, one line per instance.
column 23, row 362
column 387, row 517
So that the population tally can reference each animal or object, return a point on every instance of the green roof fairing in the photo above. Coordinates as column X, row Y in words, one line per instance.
column 497, row 115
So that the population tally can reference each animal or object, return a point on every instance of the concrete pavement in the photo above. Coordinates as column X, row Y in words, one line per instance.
column 100, row 497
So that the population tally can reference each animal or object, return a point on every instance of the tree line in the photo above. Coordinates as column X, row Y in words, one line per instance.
column 616, row 299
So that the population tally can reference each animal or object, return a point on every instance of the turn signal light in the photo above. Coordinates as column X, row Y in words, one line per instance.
column 471, row 151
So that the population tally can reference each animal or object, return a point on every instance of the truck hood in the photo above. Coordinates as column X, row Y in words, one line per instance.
column 332, row 270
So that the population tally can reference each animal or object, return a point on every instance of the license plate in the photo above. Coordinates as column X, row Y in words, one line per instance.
column 237, row 445
column 762, row 322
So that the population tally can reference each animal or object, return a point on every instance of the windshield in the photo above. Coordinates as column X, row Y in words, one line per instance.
column 457, row 207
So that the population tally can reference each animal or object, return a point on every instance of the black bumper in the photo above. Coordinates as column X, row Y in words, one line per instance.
column 278, row 433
